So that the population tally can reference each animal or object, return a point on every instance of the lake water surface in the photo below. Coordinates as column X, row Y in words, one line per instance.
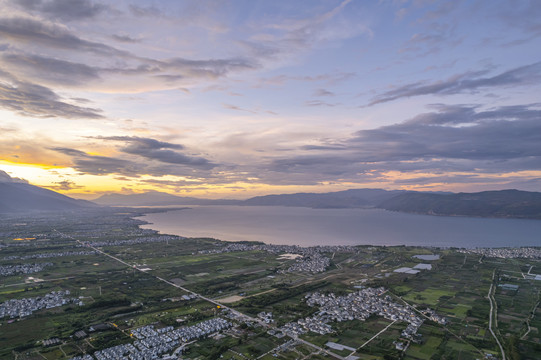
column 311, row 227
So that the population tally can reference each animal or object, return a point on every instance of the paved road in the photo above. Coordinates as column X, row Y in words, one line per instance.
column 237, row 313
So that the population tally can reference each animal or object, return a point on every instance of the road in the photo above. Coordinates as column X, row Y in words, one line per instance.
column 426, row 317
column 530, row 317
column 492, row 301
column 375, row 336
column 319, row 348
column 237, row 313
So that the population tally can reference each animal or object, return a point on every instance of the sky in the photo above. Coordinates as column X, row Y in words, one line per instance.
column 232, row 99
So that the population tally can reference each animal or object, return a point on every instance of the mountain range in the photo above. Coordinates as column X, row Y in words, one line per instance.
column 355, row 198
column 16, row 195
column 503, row 203
column 156, row 198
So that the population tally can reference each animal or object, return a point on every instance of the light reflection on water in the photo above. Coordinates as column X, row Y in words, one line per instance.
column 310, row 227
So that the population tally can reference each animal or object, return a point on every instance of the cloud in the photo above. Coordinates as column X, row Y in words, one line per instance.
column 160, row 164
column 51, row 70
column 64, row 185
column 524, row 16
column 35, row 100
column 323, row 92
column 302, row 33
column 458, row 138
column 285, row 37
column 158, row 150
column 67, row 10
column 324, row 147
column 48, row 53
column 499, row 134
column 212, row 68
column 125, row 39
column 319, row 103
column 330, row 78
column 99, row 165
column 256, row 110
column 237, row 108
column 40, row 33
column 432, row 40
column 524, row 75
column 145, row 11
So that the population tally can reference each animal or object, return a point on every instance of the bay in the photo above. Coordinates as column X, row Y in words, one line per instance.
column 312, row 227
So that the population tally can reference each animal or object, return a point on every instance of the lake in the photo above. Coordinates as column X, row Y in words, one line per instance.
column 311, row 227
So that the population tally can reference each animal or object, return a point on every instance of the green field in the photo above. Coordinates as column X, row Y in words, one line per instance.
column 114, row 293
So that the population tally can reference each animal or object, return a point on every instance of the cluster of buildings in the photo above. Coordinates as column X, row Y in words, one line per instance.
column 8, row 270
column 265, row 316
column 278, row 249
column 49, row 255
column 24, row 307
column 152, row 343
column 432, row 315
column 140, row 240
column 51, row 342
column 311, row 259
column 506, row 253
column 315, row 263
column 83, row 357
column 81, row 227
column 355, row 306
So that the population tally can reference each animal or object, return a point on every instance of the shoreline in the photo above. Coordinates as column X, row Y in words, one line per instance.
column 152, row 225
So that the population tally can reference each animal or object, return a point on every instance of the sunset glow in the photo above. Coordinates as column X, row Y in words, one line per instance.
column 244, row 98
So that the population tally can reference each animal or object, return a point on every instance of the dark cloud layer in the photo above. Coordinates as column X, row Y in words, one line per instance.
column 125, row 38
column 452, row 138
column 52, row 70
column 158, row 150
column 67, row 10
column 64, row 185
column 500, row 134
column 41, row 33
column 159, row 162
column 99, row 165
column 35, row 100
column 470, row 81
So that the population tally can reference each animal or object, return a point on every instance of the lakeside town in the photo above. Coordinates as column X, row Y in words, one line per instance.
column 121, row 296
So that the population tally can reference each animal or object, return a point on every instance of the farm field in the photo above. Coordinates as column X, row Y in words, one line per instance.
column 121, row 278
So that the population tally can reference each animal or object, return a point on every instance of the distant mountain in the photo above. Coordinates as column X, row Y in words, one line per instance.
column 342, row 199
column 354, row 198
column 18, row 196
column 504, row 203
column 156, row 198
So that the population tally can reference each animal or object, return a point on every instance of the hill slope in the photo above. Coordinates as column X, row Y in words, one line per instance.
column 354, row 198
column 504, row 203
column 17, row 196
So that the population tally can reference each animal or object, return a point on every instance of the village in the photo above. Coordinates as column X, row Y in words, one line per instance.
column 152, row 342
column 356, row 306
column 49, row 255
column 19, row 308
column 8, row 270
column 506, row 253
